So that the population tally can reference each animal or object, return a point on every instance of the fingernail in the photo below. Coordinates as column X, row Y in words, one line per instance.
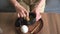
column 18, row 15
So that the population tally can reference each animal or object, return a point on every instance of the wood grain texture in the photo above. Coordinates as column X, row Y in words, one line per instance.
column 51, row 23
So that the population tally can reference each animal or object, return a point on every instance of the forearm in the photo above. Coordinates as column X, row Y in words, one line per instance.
column 15, row 3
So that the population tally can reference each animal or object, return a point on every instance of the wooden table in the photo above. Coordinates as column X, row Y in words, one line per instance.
column 51, row 23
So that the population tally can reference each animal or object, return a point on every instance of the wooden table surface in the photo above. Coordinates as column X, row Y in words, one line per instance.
column 51, row 23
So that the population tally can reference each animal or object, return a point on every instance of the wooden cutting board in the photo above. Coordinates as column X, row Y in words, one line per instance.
column 51, row 23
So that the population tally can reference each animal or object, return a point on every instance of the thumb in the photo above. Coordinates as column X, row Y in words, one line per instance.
column 38, row 16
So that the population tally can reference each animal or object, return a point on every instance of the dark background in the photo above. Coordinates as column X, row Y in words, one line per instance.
column 6, row 6
column 51, row 6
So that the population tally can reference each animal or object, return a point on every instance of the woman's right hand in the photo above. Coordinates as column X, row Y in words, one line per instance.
column 22, row 12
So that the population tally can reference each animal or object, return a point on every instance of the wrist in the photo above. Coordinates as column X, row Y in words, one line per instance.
column 16, row 4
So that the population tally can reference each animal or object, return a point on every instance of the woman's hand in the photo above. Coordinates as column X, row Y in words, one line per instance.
column 22, row 12
column 37, row 12
column 39, row 9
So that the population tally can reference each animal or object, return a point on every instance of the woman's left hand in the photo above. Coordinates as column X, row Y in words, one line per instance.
column 37, row 12
column 39, row 9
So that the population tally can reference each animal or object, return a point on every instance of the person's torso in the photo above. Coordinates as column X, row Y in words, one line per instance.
column 28, row 4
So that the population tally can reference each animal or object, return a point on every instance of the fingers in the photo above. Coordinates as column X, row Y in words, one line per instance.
column 37, row 12
column 38, row 16
column 20, row 15
column 23, row 13
column 27, row 15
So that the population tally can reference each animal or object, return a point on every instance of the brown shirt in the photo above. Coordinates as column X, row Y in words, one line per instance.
column 28, row 4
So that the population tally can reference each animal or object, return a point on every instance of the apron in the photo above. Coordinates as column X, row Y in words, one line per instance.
column 28, row 4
